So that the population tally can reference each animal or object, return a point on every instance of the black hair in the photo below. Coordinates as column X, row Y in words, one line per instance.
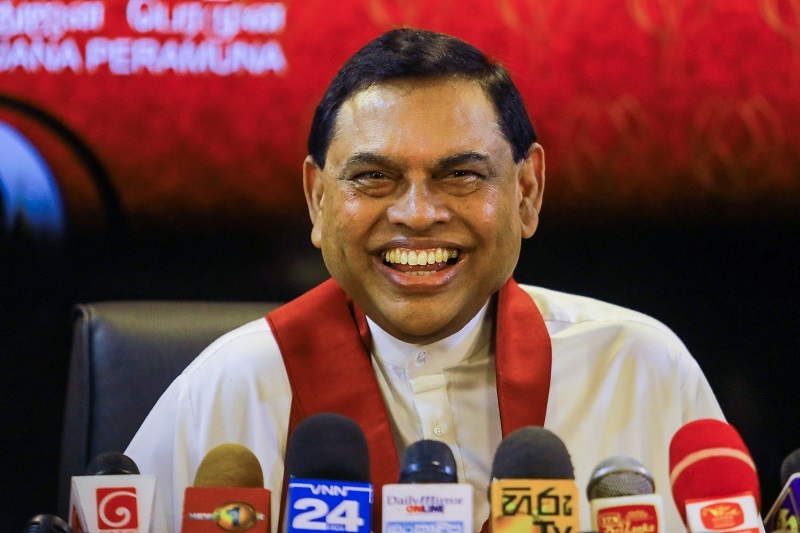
column 414, row 53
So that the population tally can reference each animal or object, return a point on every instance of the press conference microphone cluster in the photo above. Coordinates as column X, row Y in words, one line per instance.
column 784, row 515
column 327, row 461
column 427, row 496
column 227, row 493
column 112, row 496
column 714, row 479
column 622, row 497
column 533, row 484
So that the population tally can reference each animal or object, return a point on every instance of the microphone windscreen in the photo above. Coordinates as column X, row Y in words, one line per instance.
column 328, row 446
column 619, row 476
column 790, row 466
column 229, row 465
column 428, row 461
column 111, row 464
column 46, row 523
column 532, row 452
column 708, row 459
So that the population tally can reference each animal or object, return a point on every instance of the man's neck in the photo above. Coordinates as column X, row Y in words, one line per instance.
column 452, row 348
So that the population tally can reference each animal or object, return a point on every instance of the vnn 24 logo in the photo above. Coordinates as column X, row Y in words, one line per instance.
column 322, row 505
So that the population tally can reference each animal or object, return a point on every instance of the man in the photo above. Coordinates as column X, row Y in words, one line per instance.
column 423, row 178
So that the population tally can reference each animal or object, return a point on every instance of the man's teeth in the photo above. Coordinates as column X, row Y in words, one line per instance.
column 420, row 257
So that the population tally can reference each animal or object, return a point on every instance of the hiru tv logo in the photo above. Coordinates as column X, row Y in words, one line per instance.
column 117, row 509
column 534, row 505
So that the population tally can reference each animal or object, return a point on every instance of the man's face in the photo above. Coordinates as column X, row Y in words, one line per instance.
column 420, row 209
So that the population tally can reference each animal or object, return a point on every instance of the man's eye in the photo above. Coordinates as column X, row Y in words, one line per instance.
column 371, row 176
column 368, row 178
column 464, row 174
column 461, row 182
column 374, row 183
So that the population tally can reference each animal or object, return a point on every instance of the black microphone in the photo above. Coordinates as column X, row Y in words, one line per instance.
column 784, row 515
column 428, row 461
column 46, row 523
column 622, row 497
column 790, row 466
column 327, row 460
column 328, row 446
column 428, row 496
column 533, row 483
column 112, row 495
column 111, row 464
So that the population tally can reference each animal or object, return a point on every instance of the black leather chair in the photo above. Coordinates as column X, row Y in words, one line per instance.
column 124, row 356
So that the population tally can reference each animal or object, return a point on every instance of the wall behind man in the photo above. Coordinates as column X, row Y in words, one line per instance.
column 152, row 149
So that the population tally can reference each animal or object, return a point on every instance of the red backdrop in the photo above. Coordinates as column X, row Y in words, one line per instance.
column 202, row 108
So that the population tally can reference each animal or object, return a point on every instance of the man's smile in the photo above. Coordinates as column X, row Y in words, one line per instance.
column 420, row 262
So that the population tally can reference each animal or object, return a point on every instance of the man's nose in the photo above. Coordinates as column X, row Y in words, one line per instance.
column 418, row 207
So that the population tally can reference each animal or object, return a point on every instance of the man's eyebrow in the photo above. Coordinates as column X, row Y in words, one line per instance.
column 462, row 158
column 367, row 158
column 371, row 158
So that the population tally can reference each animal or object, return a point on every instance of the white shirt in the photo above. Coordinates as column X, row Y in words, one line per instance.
column 444, row 391
column 621, row 383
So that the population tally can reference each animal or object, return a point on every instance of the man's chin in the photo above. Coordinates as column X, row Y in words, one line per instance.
column 423, row 328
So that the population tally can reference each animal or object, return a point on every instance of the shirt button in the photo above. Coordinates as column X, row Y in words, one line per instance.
column 421, row 356
column 438, row 430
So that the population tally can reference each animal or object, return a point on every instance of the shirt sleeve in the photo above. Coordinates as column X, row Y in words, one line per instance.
column 236, row 390
column 163, row 447
column 699, row 400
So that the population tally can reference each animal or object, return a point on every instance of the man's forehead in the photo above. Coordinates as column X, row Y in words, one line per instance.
column 443, row 110
column 388, row 92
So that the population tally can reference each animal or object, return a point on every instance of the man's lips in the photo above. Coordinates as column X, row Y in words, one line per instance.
column 421, row 261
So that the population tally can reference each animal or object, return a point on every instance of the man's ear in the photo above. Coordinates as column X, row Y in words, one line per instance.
column 531, row 189
column 313, row 187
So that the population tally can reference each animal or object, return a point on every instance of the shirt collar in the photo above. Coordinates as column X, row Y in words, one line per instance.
column 434, row 357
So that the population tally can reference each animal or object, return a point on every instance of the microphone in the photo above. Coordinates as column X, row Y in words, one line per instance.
column 112, row 495
column 46, row 523
column 329, row 479
column 714, row 480
column 533, row 484
column 428, row 496
column 622, row 497
column 111, row 464
column 785, row 512
column 228, row 493
column 428, row 461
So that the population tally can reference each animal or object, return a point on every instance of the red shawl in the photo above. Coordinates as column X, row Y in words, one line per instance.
column 325, row 343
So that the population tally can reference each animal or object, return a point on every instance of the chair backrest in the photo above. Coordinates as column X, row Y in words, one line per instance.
column 124, row 356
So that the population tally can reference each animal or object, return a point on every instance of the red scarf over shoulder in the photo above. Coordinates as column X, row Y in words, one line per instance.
column 325, row 343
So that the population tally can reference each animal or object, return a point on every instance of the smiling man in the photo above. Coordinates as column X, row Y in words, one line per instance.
column 422, row 179
column 419, row 205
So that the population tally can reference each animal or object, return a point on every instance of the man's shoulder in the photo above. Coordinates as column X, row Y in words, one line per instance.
column 589, row 334
column 562, row 310
column 250, row 346
column 230, row 369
